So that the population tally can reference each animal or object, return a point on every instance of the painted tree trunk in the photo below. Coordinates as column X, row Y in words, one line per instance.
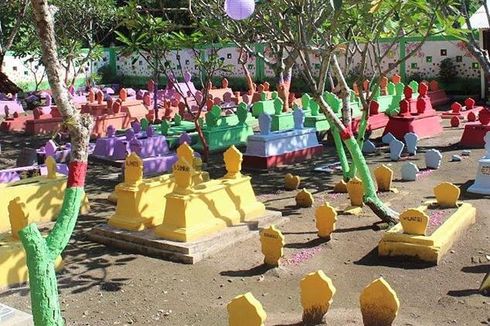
column 41, row 253
column 339, row 146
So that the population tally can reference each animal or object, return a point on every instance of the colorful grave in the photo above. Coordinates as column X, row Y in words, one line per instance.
column 185, row 216
column 270, row 149
column 474, row 132
column 462, row 112
column 415, row 115
column 482, row 180
column 410, row 237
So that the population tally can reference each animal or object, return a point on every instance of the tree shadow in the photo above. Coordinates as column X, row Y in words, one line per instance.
column 254, row 271
column 310, row 244
column 402, row 262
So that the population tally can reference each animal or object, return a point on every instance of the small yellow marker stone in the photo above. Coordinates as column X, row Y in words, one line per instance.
column 133, row 169
column 18, row 216
column 414, row 221
column 186, row 152
column 51, row 166
column 317, row 293
column 233, row 162
column 384, row 178
column 291, row 182
column 447, row 194
column 325, row 216
column 272, row 242
column 485, row 285
column 304, row 198
column 245, row 310
column 340, row 187
column 379, row 304
column 356, row 192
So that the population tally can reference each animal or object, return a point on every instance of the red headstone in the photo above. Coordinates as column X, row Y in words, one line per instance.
column 100, row 97
column 408, row 92
column 37, row 113
column 404, row 108
column 266, row 86
column 373, row 108
column 455, row 122
column 469, row 103
column 456, row 107
column 423, row 89
column 116, row 107
column 217, row 101
column 421, row 106
column 91, row 96
column 484, row 116
column 471, row 117
column 151, row 86
column 396, row 79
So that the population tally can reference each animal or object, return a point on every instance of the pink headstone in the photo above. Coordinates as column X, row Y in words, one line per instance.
column 408, row 92
column 100, row 97
column 187, row 76
column 151, row 86
column 404, row 107
column 423, row 89
column 373, row 107
column 471, row 117
column 217, row 101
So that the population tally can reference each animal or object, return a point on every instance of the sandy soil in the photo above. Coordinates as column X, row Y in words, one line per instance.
column 104, row 286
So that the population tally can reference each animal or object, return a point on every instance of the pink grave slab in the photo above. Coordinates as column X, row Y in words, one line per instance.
column 457, row 110
column 474, row 132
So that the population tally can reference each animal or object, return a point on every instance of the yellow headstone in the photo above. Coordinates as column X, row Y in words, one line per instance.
column 485, row 285
column 379, row 304
column 325, row 216
column 51, row 166
column 317, row 293
column 186, row 152
column 272, row 242
column 291, row 182
column 356, row 192
column 19, row 218
column 414, row 221
column 133, row 169
column 182, row 172
column 304, row 198
column 245, row 310
column 447, row 194
column 384, row 178
column 340, row 187
column 233, row 162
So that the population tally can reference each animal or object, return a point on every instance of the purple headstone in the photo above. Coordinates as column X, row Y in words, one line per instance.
column 227, row 97
column 140, row 94
column 185, row 138
column 49, row 100
column 7, row 111
column 136, row 127
column 198, row 96
column 111, row 131
column 187, row 76
column 265, row 123
column 108, row 91
column 129, row 134
column 150, row 131
column 50, row 148
column 135, row 146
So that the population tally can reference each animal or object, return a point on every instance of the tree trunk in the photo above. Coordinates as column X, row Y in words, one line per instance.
column 2, row 58
column 40, row 252
column 205, row 147
column 339, row 146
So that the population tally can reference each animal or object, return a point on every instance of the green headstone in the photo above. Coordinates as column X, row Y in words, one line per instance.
column 278, row 105
column 414, row 85
column 305, row 101
column 399, row 88
column 391, row 88
column 376, row 92
column 242, row 114
column 144, row 124
column 164, row 126
column 263, row 96
column 274, row 95
column 315, row 108
column 177, row 119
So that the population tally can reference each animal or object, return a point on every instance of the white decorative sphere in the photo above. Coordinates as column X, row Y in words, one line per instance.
column 239, row 9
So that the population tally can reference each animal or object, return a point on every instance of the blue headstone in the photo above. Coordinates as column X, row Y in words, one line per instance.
column 409, row 171
column 265, row 123
column 433, row 159
column 388, row 138
column 299, row 118
column 411, row 140
column 368, row 147
column 396, row 150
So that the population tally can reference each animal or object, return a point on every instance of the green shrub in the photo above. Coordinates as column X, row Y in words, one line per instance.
column 447, row 70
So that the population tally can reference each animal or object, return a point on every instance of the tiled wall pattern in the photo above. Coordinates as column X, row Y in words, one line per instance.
column 425, row 62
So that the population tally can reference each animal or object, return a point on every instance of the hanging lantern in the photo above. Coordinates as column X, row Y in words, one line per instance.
column 239, row 9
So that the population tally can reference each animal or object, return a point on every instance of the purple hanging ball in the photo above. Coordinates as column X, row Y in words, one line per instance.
column 239, row 9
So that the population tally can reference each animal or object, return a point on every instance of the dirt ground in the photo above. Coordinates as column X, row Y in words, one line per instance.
column 104, row 286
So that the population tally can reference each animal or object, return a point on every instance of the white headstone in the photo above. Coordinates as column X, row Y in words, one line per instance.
column 388, row 138
column 482, row 180
column 433, row 159
column 299, row 118
column 409, row 171
column 396, row 150
column 411, row 140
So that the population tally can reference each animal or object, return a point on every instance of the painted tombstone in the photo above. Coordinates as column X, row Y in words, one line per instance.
column 299, row 118
column 144, row 124
column 433, row 159
column 325, row 217
column 411, row 140
column 265, row 124
column 391, row 88
column 182, row 172
column 185, row 138
column 129, row 134
column 278, row 105
column 379, row 304
column 233, row 159
column 18, row 216
column 50, row 148
column 272, row 242
column 388, row 138
column 396, row 149
column 164, row 127
column 447, row 194
column 306, row 101
column 245, row 310
column 150, row 131
column 384, row 178
column 304, row 198
column 368, row 147
column 317, row 291
column 414, row 221
column 133, row 169
column 135, row 146
column 356, row 192
column 51, row 167
column 409, row 171
column 314, row 108
column 136, row 127
column 291, row 182
column 396, row 79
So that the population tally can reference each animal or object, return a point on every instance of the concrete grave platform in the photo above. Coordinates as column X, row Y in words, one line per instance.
column 148, row 244
column 12, row 317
